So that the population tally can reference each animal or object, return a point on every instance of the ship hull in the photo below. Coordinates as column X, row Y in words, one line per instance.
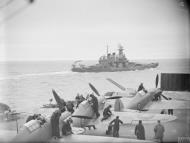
column 129, row 67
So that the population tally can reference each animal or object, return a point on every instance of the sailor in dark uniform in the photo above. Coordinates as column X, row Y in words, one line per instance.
column 94, row 103
column 66, row 128
column 55, row 123
column 141, row 87
column 106, row 113
column 70, row 106
column 79, row 99
column 116, row 122
column 140, row 131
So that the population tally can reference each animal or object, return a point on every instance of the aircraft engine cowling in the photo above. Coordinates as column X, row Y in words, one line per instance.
column 82, row 115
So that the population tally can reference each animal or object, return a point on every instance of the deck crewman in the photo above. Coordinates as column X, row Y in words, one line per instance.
column 70, row 106
column 139, row 131
column 66, row 128
column 55, row 122
column 141, row 87
column 159, row 131
column 106, row 113
column 94, row 103
column 116, row 122
column 79, row 99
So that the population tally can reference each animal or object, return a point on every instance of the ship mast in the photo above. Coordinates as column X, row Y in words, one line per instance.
column 107, row 50
column 120, row 50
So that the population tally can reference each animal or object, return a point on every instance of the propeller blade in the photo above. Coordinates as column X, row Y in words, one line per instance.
column 116, row 84
column 82, row 117
column 157, row 80
column 61, row 103
column 114, row 97
column 94, row 89
column 164, row 97
column 56, row 96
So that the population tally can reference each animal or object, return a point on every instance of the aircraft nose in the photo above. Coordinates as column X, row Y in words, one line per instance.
column 83, row 113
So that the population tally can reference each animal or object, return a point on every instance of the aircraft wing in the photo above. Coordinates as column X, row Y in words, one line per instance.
column 92, row 139
column 127, row 94
column 128, row 91
column 133, row 117
column 177, row 95
column 168, row 104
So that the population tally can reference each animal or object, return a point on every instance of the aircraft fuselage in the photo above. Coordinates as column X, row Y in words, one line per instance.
column 140, row 100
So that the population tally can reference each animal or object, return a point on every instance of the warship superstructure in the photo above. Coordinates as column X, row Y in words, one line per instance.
column 112, row 62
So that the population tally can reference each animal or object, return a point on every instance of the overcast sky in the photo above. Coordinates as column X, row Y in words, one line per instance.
column 81, row 29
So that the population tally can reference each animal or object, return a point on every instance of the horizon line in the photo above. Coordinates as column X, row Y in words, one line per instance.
column 44, row 60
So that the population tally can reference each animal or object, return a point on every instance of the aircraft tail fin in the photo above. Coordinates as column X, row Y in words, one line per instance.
column 118, row 106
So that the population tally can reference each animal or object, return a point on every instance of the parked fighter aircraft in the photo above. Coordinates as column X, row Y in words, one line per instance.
column 146, row 101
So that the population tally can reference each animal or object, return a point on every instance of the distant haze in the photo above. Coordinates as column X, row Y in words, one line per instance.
column 81, row 29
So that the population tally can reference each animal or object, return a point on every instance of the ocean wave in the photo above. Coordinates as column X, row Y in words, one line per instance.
column 35, row 75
